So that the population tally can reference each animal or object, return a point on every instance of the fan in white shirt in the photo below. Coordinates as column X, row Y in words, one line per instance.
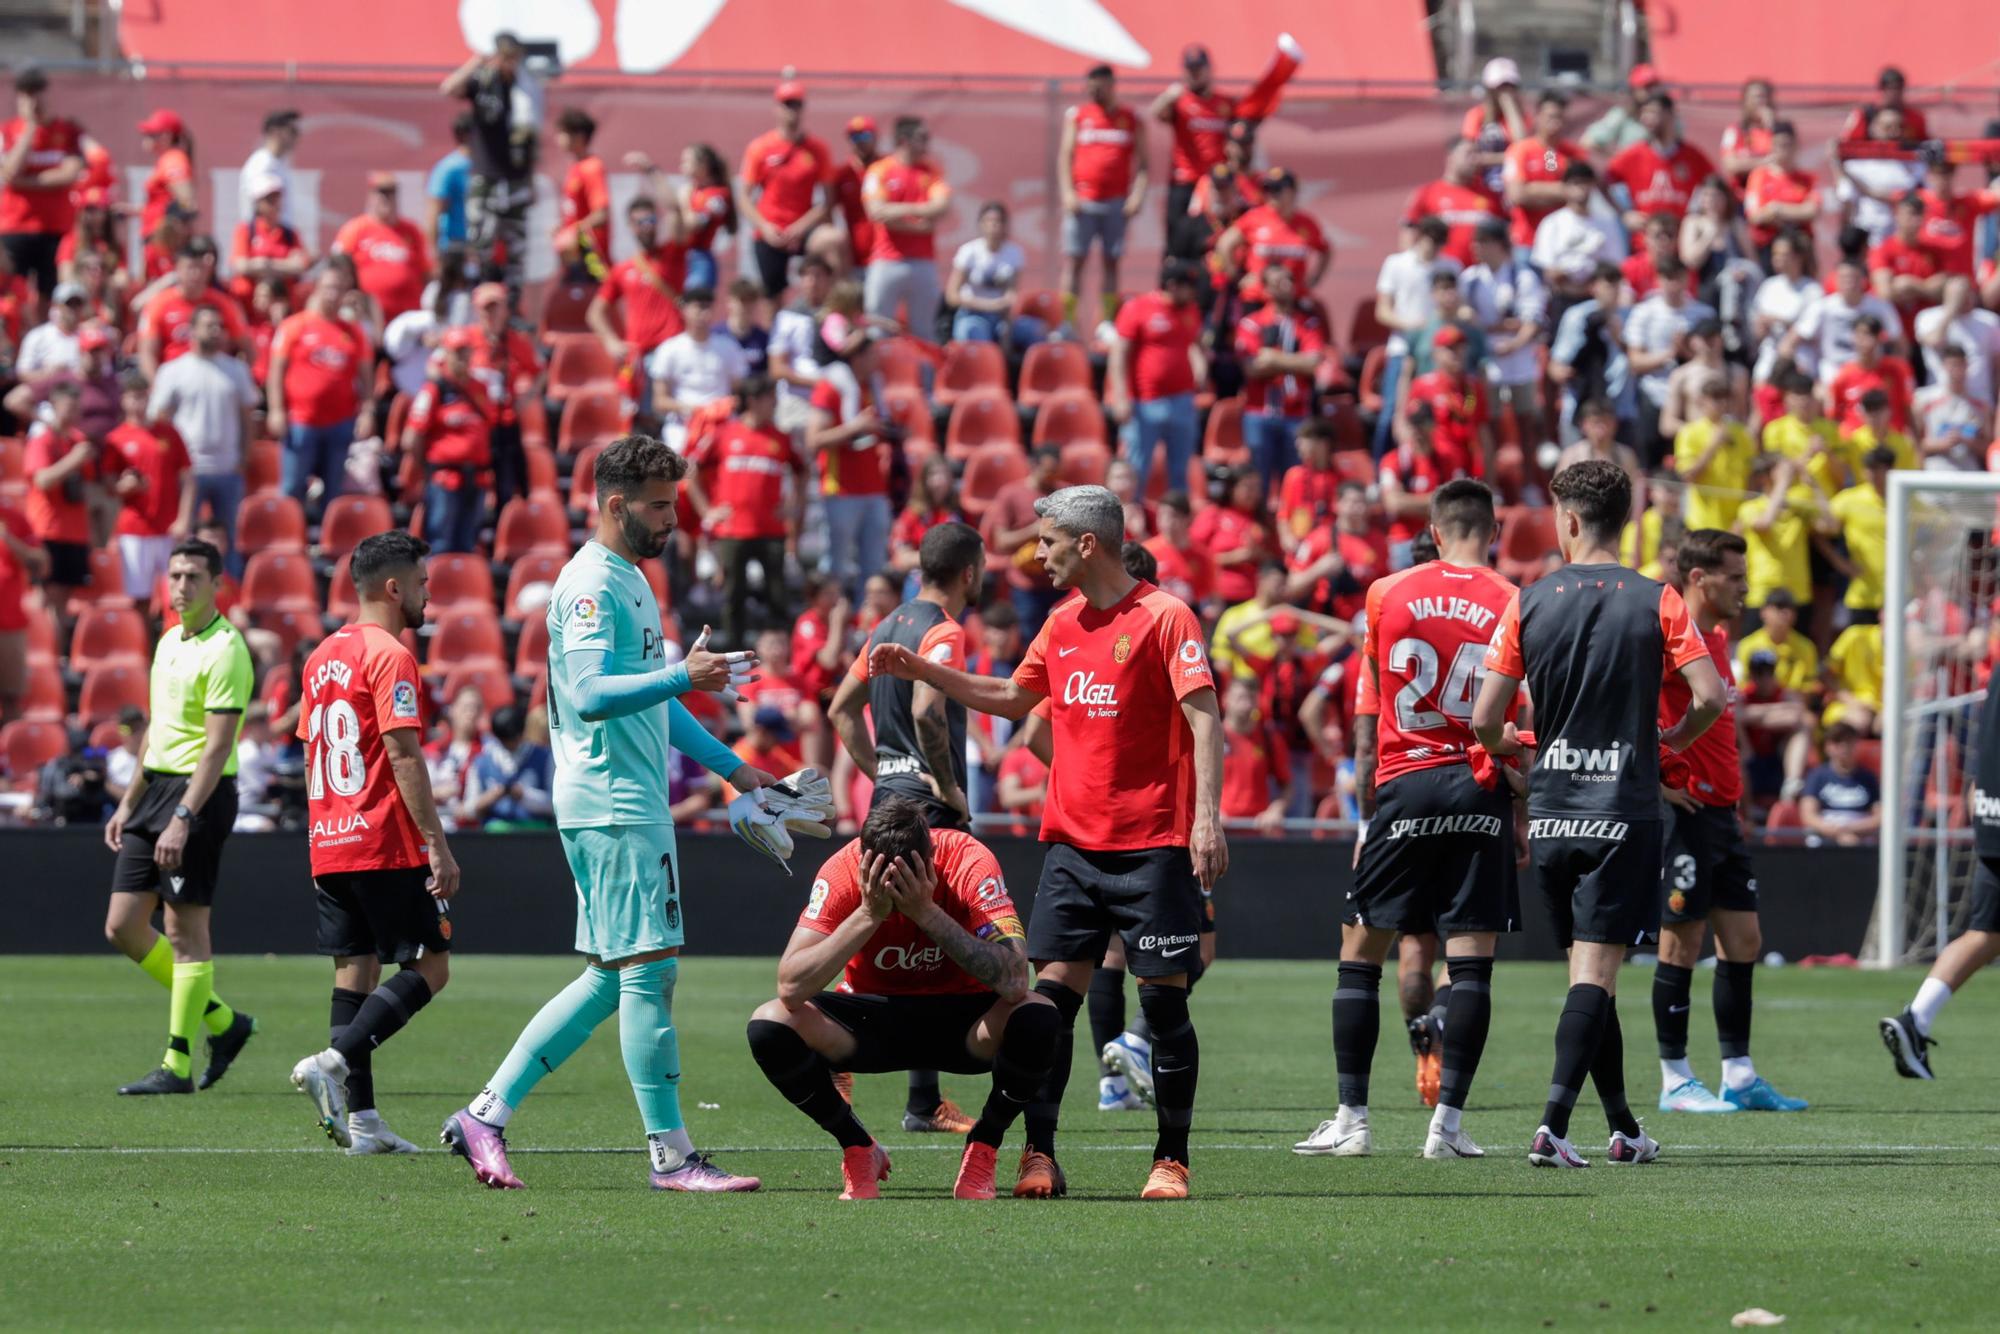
column 1572, row 241
column 696, row 366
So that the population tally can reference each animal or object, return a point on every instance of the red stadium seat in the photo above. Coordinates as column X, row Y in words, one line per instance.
column 13, row 460
column 1067, row 418
column 495, row 687
column 583, row 481
column 1084, row 463
column 909, row 409
column 531, row 654
column 108, row 633
column 458, row 579
column 1364, row 330
column 292, row 626
column 987, row 472
column 1373, row 391
column 982, row 418
column 1043, row 305
column 263, row 462
column 275, row 580
column 106, row 735
column 901, row 364
column 270, row 522
column 917, row 451
column 537, row 567
column 1784, row 814
column 534, row 420
column 41, row 630
column 351, row 518
column 563, row 307
column 109, row 687
column 342, row 602
column 578, row 361
column 1048, row 369
column 1509, row 472
column 1223, row 442
column 970, row 368
column 529, row 523
column 1355, row 465
column 45, row 697
column 467, row 634
column 542, row 479
column 107, row 579
column 590, row 417
column 29, row 743
column 1527, row 536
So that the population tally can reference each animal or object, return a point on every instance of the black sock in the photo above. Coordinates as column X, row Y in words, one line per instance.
column 1577, row 1034
column 360, row 1068
column 924, row 1095
column 1176, row 1066
column 383, row 1014
column 1019, row 1068
column 1672, row 986
column 1732, row 1006
column 1107, row 1009
column 1141, row 1027
column 1357, row 1024
column 1441, row 1002
column 1465, row 1023
column 1607, row 1073
column 798, row 1072
column 1046, row 1108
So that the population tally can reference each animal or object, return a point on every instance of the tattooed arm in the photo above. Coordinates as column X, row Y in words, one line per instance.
column 1000, row 964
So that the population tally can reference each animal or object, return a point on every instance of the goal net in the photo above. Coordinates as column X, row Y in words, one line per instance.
column 1937, row 640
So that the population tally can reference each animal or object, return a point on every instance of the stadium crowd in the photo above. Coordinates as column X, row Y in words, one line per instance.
column 1756, row 343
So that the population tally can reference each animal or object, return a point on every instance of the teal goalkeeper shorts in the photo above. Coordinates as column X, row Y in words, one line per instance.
column 628, row 894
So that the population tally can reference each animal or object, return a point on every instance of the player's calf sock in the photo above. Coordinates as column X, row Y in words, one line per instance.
column 1931, row 997
column 651, row 1048
column 798, row 1072
column 550, row 1038
column 1107, row 1010
column 1577, row 1036
column 383, row 1014
column 924, row 1094
column 1467, row 1017
column 1357, row 1025
column 189, row 997
column 360, row 1066
column 1734, row 983
column 1607, row 1073
column 1140, row 1028
column 1020, row 1067
column 1046, row 1108
column 158, row 964
column 1441, row 1004
column 1176, row 1066
column 1672, row 989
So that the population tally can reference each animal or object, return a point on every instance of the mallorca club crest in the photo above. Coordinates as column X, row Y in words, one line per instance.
column 1122, row 649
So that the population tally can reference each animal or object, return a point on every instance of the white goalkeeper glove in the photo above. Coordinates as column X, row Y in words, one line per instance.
column 766, row 819
column 742, row 667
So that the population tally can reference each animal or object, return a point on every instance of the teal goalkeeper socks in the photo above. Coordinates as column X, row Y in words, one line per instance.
column 554, row 1034
column 646, row 1035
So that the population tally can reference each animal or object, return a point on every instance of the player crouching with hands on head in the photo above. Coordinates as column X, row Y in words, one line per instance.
column 933, row 967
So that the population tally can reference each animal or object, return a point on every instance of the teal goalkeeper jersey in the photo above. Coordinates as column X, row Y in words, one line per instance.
column 612, row 772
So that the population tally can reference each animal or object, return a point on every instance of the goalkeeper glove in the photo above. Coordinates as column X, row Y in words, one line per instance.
column 766, row 819
column 742, row 667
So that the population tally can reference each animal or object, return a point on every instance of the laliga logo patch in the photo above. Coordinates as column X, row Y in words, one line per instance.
column 1122, row 649
column 403, row 704
column 818, row 899
column 585, row 609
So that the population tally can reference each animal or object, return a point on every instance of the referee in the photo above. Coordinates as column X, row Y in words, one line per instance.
column 917, row 751
column 169, row 829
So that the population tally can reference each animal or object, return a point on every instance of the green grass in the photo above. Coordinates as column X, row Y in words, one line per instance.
column 1874, row 1209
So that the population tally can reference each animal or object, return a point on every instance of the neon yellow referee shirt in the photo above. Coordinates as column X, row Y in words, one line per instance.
column 192, row 678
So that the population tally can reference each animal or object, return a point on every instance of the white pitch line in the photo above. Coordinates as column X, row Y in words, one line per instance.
column 955, row 1146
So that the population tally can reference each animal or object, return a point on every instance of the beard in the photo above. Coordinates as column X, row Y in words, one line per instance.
column 413, row 615
column 644, row 543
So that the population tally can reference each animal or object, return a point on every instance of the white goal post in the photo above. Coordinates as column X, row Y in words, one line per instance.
column 1937, row 621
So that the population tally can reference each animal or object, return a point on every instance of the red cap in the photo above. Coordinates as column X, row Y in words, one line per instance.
column 1643, row 76
column 464, row 336
column 93, row 337
column 791, row 90
column 381, row 180
column 862, row 125
column 1449, row 336
column 1284, row 623
column 162, row 122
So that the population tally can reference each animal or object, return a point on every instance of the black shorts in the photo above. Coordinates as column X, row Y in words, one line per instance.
column 773, row 266
column 201, row 860
column 936, row 814
column 34, row 255
column 1149, row 896
column 1600, row 876
column 1983, row 912
column 1439, row 856
column 908, row 1032
column 69, row 567
column 1708, row 865
column 388, row 914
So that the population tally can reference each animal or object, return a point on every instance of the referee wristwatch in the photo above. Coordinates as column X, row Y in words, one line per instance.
column 181, row 812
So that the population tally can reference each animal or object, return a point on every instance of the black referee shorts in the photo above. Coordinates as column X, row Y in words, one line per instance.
column 1439, row 856
column 908, row 1032
column 1708, row 865
column 194, row 883
column 1983, row 911
column 388, row 914
column 1149, row 896
column 1600, row 877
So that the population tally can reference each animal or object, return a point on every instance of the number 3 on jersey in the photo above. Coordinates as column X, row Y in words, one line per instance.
column 1418, row 660
column 333, row 751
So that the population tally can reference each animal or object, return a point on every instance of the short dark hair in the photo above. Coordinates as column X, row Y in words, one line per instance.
column 195, row 549
column 577, row 121
column 1670, row 268
column 1798, row 382
column 280, row 119
column 1879, row 457
column 754, row 386
column 1099, row 72
column 999, row 616
column 746, row 290
column 1139, row 562
column 461, row 126
column 1316, row 428
column 1705, row 549
column 1598, row 492
column 1872, row 323
column 947, row 551
column 815, row 262
column 698, row 296
column 1579, row 171
column 30, row 79
column 132, row 380
column 384, row 554
column 1595, row 407
column 897, row 828
column 1434, row 227
column 1875, row 400
column 1663, row 100
column 1463, row 507
column 642, row 204
column 509, row 724
column 1784, row 127
column 908, row 128
column 631, row 461
column 1551, row 95
column 1607, row 272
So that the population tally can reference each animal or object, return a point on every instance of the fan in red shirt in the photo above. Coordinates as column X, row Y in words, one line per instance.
column 1951, row 220
column 43, row 160
column 1134, row 720
column 1340, row 558
column 1101, row 174
column 933, row 973
column 62, row 466
column 1185, row 569
column 583, row 233
column 646, row 289
column 1256, row 768
column 1780, row 193
column 1872, row 368
column 392, row 261
column 906, row 197
column 1461, row 412
column 1411, row 472
column 381, row 868
column 1279, row 348
column 1892, row 85
column 320, row 364
column 21, row 561
column 1237, row 536
column 448, row 446
column 1532, row 173
column 862, row 134
column 154, row 482
column 1902, row 267
column 264, row 248
column 1459, row 197
column 1155, row 364
column 171, row 181
column 1658, row 174
column 164, row 324
column 752, row 505
column 1309, row 489
column 1277, row 232
column 819, row 638
column 507, row 366
column 1200, row 116
column 783, row 170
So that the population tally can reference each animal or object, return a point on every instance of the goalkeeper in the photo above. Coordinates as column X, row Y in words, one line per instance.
column 613, row 714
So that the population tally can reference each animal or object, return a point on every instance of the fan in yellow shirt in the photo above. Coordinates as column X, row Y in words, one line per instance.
column 1810, row 440
column 1877, row 430
column 1778, row 524
column 1778, row 635
column 1712, row 456
column 1863, row 513
column 1854, row 678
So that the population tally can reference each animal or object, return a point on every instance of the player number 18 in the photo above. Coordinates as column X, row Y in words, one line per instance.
column 1418, row 660
column 333, row 751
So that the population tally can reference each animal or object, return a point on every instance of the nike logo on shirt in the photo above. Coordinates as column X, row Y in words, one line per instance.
column 1065, row 652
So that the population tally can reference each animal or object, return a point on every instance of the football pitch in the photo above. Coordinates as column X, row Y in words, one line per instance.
column 229, row 1209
